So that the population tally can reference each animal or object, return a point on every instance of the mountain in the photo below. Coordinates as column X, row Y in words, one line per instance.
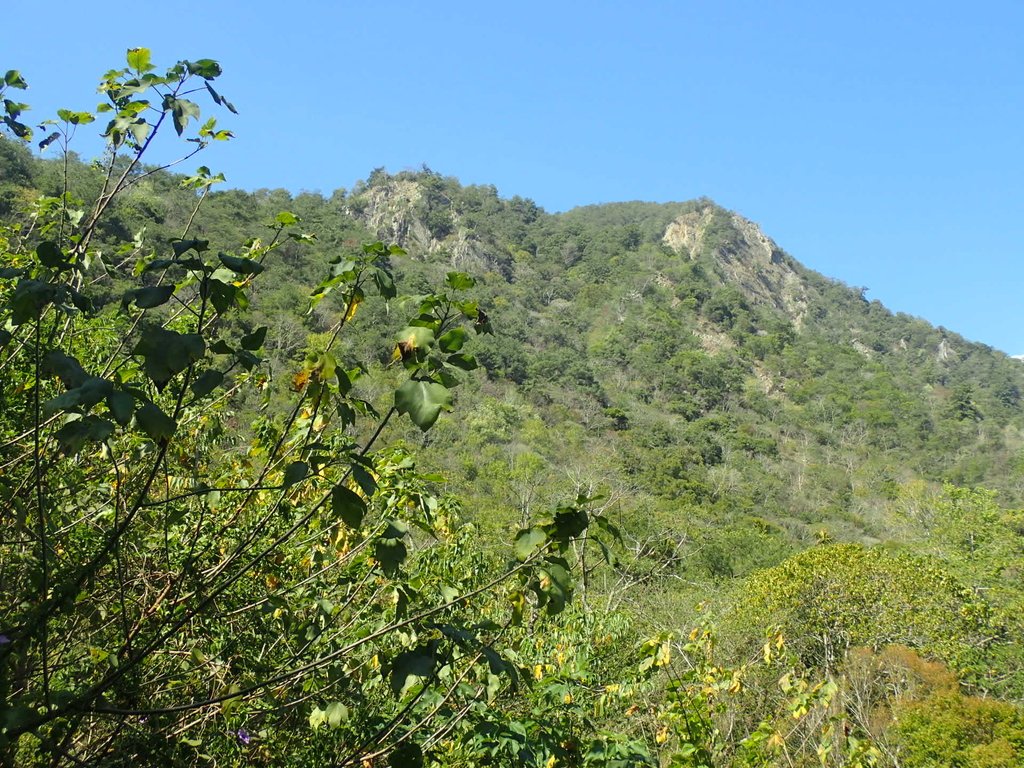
column 779, row 469
column 685, row 362
column 687, row 320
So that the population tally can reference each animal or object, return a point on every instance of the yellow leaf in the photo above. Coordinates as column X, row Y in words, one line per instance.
column 353, row 305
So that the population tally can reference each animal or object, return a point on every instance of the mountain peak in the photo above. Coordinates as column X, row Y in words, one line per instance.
column 743, row 256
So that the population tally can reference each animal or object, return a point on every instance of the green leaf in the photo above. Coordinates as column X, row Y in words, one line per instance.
column 206, row 382
column 390, row 553
column 336, row 714
column 247, row 359
column 14, row 79
column 223, row 295
column 286, row 218
column 139, row 129
column 149, row 297
column 75, row 434
column 155, row 423
column 609, row 556
column 46, row 142
column 168, row 353
column 423, row 401
column 528, row 541
column 29, row 299
column 294, row 473
column 20, row 130
column 385, row 283
column 411, row 667
column 348, row 506
column 414, row 342
column 75, row 118
column 364, row 479
column 570, row 523
column 121, row 406
column 181, row 110
column 180, row 246
column 459, row 281
column 208, row 69
column 84, row 396
column 67, row 369
column 220, row 99
column 605, row 525
column 483, row 323
column 139, row 59
column 241, row 266
column 254, row 340
column 453, row 340
column 408, row 754
column 13, row 108
column 554, row 585
column 463, row 361
column 50, row 255
column 81, row 302
column 389, row 549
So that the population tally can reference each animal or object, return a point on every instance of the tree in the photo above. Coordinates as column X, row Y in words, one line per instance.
column 177, row 583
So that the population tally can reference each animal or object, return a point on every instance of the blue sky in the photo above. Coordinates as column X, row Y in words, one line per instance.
column 878, row 143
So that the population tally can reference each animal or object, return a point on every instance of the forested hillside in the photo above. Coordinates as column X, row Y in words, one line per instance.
column 414, row 474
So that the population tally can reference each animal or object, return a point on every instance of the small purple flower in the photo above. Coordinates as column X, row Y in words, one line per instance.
column 4, row 639
column 243, row 735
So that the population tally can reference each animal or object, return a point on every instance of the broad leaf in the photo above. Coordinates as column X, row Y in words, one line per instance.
column 29, row 300
column 84, row 396
column 121, row 406
column 67, row 369
column 139, row 59
column 411, row 667
column 149, row 297
column 239, row 265
column 414, row 342
column 168, row 353
column 155, row 423
column 254, row 340
column 423, row 401
column 348, row 506
column 528, row 541
column 295, row 472
column 75, row 434
column 208, row 69
column 180, row 246
column 554, row 585
column 51, row 256
column 463, row 361
column 453, row 340
column 206, row 382
column 460, row 281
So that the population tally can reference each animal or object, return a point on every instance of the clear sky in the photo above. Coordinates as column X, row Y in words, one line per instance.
column 878, row 143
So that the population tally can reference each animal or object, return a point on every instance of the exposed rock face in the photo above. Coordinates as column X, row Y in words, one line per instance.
column 389, row 209
column 389, row 213
column 686, row 233
column 945, row 351
column 750, row 260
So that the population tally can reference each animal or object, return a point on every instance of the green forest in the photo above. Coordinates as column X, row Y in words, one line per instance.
column 414, row 474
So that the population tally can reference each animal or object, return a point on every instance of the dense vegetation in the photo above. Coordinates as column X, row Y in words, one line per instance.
column 417, row 475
